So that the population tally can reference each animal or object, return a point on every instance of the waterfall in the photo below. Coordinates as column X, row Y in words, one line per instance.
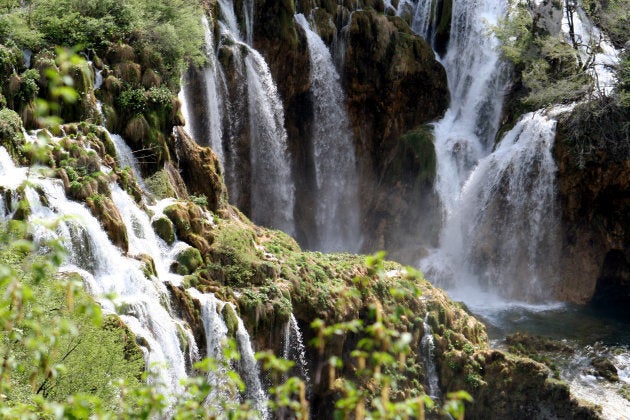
column 476, row 79
column 127, row 158
column 272, row 185
column 295, row 351
column 216, row 334
column 593, row 41
column 98, row 79
column 337, row 213
column 213, row 77
column 424, row 19
column 503, row 235
column 10, row 176
column 107, row 272
column 244, row 111
column 250, row 371
column 427, row 347
column 142, row 237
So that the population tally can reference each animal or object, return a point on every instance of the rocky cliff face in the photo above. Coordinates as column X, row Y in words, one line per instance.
column 594, row 183
column 393, row 86
column 392, row 89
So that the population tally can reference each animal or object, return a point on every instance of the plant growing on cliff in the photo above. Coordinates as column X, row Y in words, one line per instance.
column 548, row 68
column 377, row 389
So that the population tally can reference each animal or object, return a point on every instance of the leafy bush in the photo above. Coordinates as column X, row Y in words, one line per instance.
column 160, row 96
column 14, row 28
column 548, row 68
column 133, row 101
column 28, row 87
column 90, row 23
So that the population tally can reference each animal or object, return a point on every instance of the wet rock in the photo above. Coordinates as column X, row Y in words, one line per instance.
column 200, row 170
column 11, row 136
column 393, row 85
column 231, row 320
column 187, row 261
column 107, row 213
column 593, row 183
column 191, row 225
column 165, row 229
column 605, row 368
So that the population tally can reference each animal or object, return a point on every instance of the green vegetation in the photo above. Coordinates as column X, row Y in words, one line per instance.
column 547, row 69
column 166, row 31
column 612, row 16
column 11, row 132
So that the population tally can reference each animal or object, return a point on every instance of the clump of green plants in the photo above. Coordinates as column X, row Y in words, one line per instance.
column 376, row 390
column 547, row 68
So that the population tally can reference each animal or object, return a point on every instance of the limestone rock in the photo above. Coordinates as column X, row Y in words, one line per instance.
column 200, row 170
column 187, row 261
column 191, row 225
column 165, row 229
column 593, row 183
column 107, row 213
column 605, row 368
column 394, row 85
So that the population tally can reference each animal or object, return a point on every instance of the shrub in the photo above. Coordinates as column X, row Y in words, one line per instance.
column 133, row 101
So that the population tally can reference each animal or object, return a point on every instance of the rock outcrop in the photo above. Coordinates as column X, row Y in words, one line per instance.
column 393, row 86
column 594, row 184
column 268, row 278
column 199, row 169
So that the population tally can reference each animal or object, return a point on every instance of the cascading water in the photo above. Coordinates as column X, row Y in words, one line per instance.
column 503, row 238
column 214, row 80
column 505, row 228
column 246, row 113
column 106, row 271
column 427, row 346
column 477, row 79
column 337, row 215
column 216, row 334
column 425, row 19
column 294, row 350
column 127, row 158
column 249, row 370
column 272, row 187
column 591, row 41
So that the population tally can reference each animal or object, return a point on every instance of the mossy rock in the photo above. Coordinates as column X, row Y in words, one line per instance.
column 186, row 217
column 165, row 229
column 148, row 265
column 187, row 261
column 231, row 320
column 605, row 368
column 159, row 184
column 104, row 209
column 11, row 136
column 418, row 155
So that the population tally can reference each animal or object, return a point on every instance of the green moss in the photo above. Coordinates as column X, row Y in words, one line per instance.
column 444, row 23
column 188, row 260
column 231, row 319
column 11, row 136
column 164, row 229
column 160, row 185
column 420, row 141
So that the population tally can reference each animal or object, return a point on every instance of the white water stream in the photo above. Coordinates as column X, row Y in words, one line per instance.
column 216, row 335
column 337, row 215
column 295, row 351
column 119, row 282
column 252, row 115
column 427, row 345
